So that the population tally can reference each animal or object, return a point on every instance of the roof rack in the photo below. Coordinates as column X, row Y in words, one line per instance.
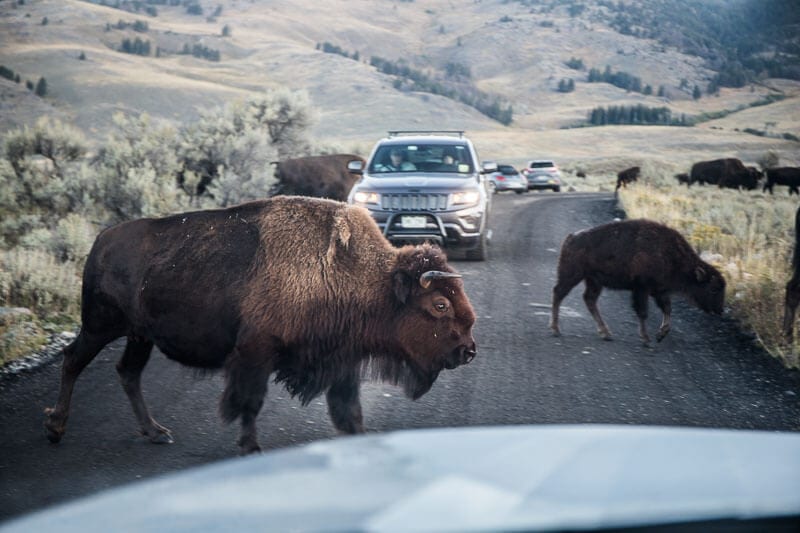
column 397, row 133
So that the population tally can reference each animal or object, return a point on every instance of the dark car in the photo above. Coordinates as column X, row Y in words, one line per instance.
column 507, row 178
column 543, row 174
column 427, row 187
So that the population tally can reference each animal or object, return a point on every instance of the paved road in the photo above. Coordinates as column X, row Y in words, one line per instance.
column 704, row 373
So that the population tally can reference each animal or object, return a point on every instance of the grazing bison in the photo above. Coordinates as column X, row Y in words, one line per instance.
column 789, row 176
column 627, row 176
column 304, row 288
column 747, row 179
column 580, row 174
column 712, row 172
column 642, row 256
column 792, row 297
column 683, row 178
column 320, row 176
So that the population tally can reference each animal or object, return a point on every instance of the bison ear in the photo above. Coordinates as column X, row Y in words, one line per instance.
column 701, row 274
column 401, row 283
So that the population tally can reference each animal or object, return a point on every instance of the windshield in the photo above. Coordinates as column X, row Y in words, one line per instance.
column 444, row 158
column 541, row 164
column 507, row 169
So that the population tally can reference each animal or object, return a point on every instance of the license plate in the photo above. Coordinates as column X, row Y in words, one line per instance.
column 413, row 222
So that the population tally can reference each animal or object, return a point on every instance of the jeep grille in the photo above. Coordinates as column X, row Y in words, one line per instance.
column 414, row 202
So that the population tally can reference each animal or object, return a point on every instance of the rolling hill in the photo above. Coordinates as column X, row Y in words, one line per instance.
column 513, row 53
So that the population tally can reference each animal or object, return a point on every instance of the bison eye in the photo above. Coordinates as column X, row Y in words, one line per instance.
column 441, row 305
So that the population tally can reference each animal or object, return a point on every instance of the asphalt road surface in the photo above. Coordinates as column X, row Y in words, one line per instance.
column 705, row 373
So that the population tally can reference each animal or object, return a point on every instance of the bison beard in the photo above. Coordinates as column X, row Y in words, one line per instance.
column 304, row 289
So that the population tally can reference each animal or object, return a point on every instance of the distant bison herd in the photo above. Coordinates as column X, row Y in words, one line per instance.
column 309, row 290
column 731, row 173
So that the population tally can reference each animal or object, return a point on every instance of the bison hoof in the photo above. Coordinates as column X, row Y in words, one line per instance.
column 53, row 427
column 158, row 434
column 54, row 436
column 162, row 438
column 660, row 336
column 250, row 449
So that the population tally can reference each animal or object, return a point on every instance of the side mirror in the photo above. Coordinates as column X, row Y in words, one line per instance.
column 355, row 167
column 489, row 167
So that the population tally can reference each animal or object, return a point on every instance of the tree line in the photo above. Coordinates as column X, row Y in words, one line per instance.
column 635, row 114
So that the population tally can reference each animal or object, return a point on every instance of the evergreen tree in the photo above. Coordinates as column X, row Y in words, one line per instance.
column 41, row 87
column 696, row 94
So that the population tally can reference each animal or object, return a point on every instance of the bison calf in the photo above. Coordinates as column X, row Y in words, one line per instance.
column 624, row 177
column 306, row 289
column 642, row 256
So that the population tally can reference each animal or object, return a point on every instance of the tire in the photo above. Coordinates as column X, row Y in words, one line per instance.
column 480, row 252
column 520, row 192
column 556, row 189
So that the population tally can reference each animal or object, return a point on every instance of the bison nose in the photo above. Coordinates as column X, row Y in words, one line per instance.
column 470, row 353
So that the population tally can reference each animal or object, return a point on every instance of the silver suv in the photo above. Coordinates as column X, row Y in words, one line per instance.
column 427, row 186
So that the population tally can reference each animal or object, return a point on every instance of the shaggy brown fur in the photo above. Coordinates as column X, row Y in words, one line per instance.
column 304, row 288
column 642, row 256
column 321, row 176
column 792, row 296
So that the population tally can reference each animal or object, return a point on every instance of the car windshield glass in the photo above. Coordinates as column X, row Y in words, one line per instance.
column 541, row 164
column 444, row 158
column 507, row 169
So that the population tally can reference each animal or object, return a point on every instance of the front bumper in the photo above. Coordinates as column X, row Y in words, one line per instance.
column 510, row 185
column 451, row 229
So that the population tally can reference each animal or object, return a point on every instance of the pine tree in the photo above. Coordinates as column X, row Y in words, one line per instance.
column 41, row 87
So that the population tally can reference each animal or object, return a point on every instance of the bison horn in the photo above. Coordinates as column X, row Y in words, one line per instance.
column 426, row 278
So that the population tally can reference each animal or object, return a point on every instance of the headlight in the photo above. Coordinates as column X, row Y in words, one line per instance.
column 364, row 197
column 466, row 198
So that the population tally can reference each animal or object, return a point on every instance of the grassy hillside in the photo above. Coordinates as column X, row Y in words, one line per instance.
column 512, row 51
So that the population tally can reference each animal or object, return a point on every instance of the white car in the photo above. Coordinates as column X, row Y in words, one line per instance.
column 543, row 174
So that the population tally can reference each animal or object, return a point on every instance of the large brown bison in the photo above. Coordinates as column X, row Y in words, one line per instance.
column 320, row 176
column 747, row 179
column 624, row 177
column 718, row 170
column 792, row 296
column 641, row 256
column 789, row 176
column 304, row 288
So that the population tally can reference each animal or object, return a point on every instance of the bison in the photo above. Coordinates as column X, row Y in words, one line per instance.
column 624, row 177
column 712, row 172
column 683, row 178
column 747, row 179
column 789, row 176
column 792, row 296
column 645, row 257
column 303, row 288
column 320, row 176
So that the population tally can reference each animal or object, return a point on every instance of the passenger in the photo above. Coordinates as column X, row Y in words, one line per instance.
column 398, row 161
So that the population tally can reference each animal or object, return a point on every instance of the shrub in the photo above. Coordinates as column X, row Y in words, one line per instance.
column 769, row 159
column 36, row 280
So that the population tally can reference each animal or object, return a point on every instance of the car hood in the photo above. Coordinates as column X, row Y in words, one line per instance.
column 427, row 183
column 465, row 479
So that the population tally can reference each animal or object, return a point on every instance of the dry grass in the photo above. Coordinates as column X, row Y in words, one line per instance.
column 749, row 236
